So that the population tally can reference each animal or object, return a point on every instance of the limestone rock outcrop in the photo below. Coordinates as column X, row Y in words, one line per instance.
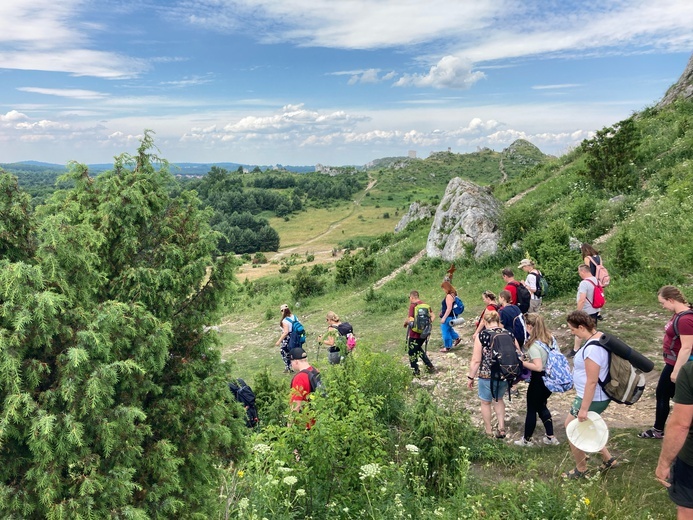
column 682, row 89
column 466, row 221
column 416, row 212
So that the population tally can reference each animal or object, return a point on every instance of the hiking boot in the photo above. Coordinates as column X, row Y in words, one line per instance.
column 524, row 443
column 552, row 441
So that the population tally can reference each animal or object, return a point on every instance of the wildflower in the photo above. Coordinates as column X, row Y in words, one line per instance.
column 241, row 473
column 262, row 448
column 412, row 449
column 300, row 492
column 346, row 509
column 243, row 503
column 369, row 471
column 290, row 480
column 439, row 511
column 285, row 470
column 586, row 501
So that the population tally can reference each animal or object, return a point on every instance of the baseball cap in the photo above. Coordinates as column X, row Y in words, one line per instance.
column 297, row 353
column 524, row 263
column 283, row 307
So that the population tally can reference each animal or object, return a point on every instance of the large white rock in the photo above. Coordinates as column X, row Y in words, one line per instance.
column 466, row 220
column 416, row 212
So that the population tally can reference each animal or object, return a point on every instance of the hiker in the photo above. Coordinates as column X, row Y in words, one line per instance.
column 540, row 340
column 510, row 284
column 531, row 283
column 480, row 365
column 676, row 346
column 414, row 340
column 302, row 384
column 490, row 305
column 675, row 466
column 590, row 257
column 591, row 364
column 511, row 318
column 450, row 337
column 286, row 323
column 339, row 338
column 585, row 299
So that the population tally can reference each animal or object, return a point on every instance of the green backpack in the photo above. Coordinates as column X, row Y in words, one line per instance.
column 422, row 320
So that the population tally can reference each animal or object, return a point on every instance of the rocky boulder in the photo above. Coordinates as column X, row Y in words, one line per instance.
column 466, row 220
column 682, row 89
column 416, row 212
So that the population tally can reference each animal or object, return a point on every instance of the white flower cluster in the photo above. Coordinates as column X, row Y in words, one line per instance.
column 262, row 448
column 412, row 449
column 290, row 480
column 369, row 471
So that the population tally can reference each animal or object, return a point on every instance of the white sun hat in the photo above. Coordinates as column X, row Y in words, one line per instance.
column 589, row 435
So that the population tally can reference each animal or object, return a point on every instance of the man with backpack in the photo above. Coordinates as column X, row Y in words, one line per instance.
column 306, row 380
column 245, row 395
column 511, row 318
column 519, row 295
column 418, row 324
column 590, row 299
column 532, row 283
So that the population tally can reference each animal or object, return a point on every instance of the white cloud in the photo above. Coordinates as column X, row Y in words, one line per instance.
column 370, row 76
column 51, row 36
column 450, row 72
column 68, row 93
column 12, row 116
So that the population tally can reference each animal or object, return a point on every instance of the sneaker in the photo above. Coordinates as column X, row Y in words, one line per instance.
column 524, row 443
column 553, row 441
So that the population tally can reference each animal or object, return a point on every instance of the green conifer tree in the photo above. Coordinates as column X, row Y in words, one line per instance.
column 114, row 402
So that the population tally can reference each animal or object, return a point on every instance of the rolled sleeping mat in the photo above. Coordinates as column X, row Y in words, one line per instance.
column 618, row 347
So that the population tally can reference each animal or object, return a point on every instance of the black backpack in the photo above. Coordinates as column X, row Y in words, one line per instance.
column 506, row 364
column 520, row 330
column 315, row 381
column 523, row 296
column 542, row 285
column 245, row 395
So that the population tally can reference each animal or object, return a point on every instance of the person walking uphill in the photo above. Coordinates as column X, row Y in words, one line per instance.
column 591, row 364
column 586, row 298
column 532, row 284
column 303, row 383
column 480, row 365
column 450, row 337
column 286, row 323
column 414, row 340
column 540, row 340
column 677, row 346
column 339, row 338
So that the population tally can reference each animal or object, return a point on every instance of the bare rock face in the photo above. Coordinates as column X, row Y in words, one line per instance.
column 416, row 212
column 466, row 220
column 682, row 89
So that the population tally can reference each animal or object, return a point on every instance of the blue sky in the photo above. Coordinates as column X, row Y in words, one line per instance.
column 326, row 81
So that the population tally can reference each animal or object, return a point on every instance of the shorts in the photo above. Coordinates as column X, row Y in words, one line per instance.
column 681, row 489
column 484, row 389
column 595, row 406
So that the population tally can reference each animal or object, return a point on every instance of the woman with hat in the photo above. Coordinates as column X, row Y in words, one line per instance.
column 286, row 323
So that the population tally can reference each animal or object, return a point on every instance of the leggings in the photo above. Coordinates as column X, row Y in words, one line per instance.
column 537, row 397
column 415, row 351
column 284, row 351
column 663, row 394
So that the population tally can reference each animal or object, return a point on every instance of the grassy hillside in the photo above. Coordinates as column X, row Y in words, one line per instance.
column 638, row 214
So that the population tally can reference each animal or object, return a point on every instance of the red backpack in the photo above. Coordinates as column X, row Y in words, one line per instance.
column 598, row 298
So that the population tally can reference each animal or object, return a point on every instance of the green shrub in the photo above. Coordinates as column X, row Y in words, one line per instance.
column 306, row 284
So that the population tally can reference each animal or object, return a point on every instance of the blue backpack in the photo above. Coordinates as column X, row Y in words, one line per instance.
column 557, row 376
column 457, row 307
column 297, row 337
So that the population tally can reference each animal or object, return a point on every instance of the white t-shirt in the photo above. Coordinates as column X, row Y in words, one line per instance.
column 592, row 350
column 531, row 283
